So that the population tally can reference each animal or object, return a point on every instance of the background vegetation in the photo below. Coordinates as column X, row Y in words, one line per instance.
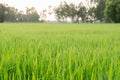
column 93, row 11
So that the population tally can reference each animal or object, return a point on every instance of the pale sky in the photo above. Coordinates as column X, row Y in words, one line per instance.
column 38, row 4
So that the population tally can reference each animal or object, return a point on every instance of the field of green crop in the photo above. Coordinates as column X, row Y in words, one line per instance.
column 59, row 51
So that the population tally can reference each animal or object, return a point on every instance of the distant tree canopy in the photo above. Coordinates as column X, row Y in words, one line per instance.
column 30, row 16
column 11, row 14
column 2, row 13
column 93, row 11
column 70, row 11
column 112, row 11
column 43, row 15
column 97, row 11
column 81, row 13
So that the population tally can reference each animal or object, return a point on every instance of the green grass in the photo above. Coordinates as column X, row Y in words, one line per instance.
column 59, row 51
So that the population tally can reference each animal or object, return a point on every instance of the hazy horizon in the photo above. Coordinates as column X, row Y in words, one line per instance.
column 39, row 5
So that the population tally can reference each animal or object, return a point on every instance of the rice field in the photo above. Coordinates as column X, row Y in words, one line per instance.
column 59, row 51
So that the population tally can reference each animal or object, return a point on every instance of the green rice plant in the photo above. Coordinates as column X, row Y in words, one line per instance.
column 59, row 51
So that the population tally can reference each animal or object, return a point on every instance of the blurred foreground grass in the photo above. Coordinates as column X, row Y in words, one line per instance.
column 59, row 51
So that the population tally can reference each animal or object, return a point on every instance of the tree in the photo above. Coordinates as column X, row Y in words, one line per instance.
column 81, row 12
column 11, row 14
column 32, row 15
column 8, row 13
column 21, row 17
column 112, row 11
column 71, row 11
column 96, row 10
column 91, row 14
column 2, row 13
column 43, row 15
column 99, row 12
column 61, row 12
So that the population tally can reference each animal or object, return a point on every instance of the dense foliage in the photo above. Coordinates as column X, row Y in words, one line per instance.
column 80, row 12
column 11, row 14
column 70, row 11
column 2, row 14
column 96, row 10
column 112, row 11
column 91, row 11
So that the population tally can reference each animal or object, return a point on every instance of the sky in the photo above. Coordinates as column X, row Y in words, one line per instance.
column 40, row 5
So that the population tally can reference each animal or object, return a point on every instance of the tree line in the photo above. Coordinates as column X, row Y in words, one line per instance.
column 93, row 11
column 11, row 14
